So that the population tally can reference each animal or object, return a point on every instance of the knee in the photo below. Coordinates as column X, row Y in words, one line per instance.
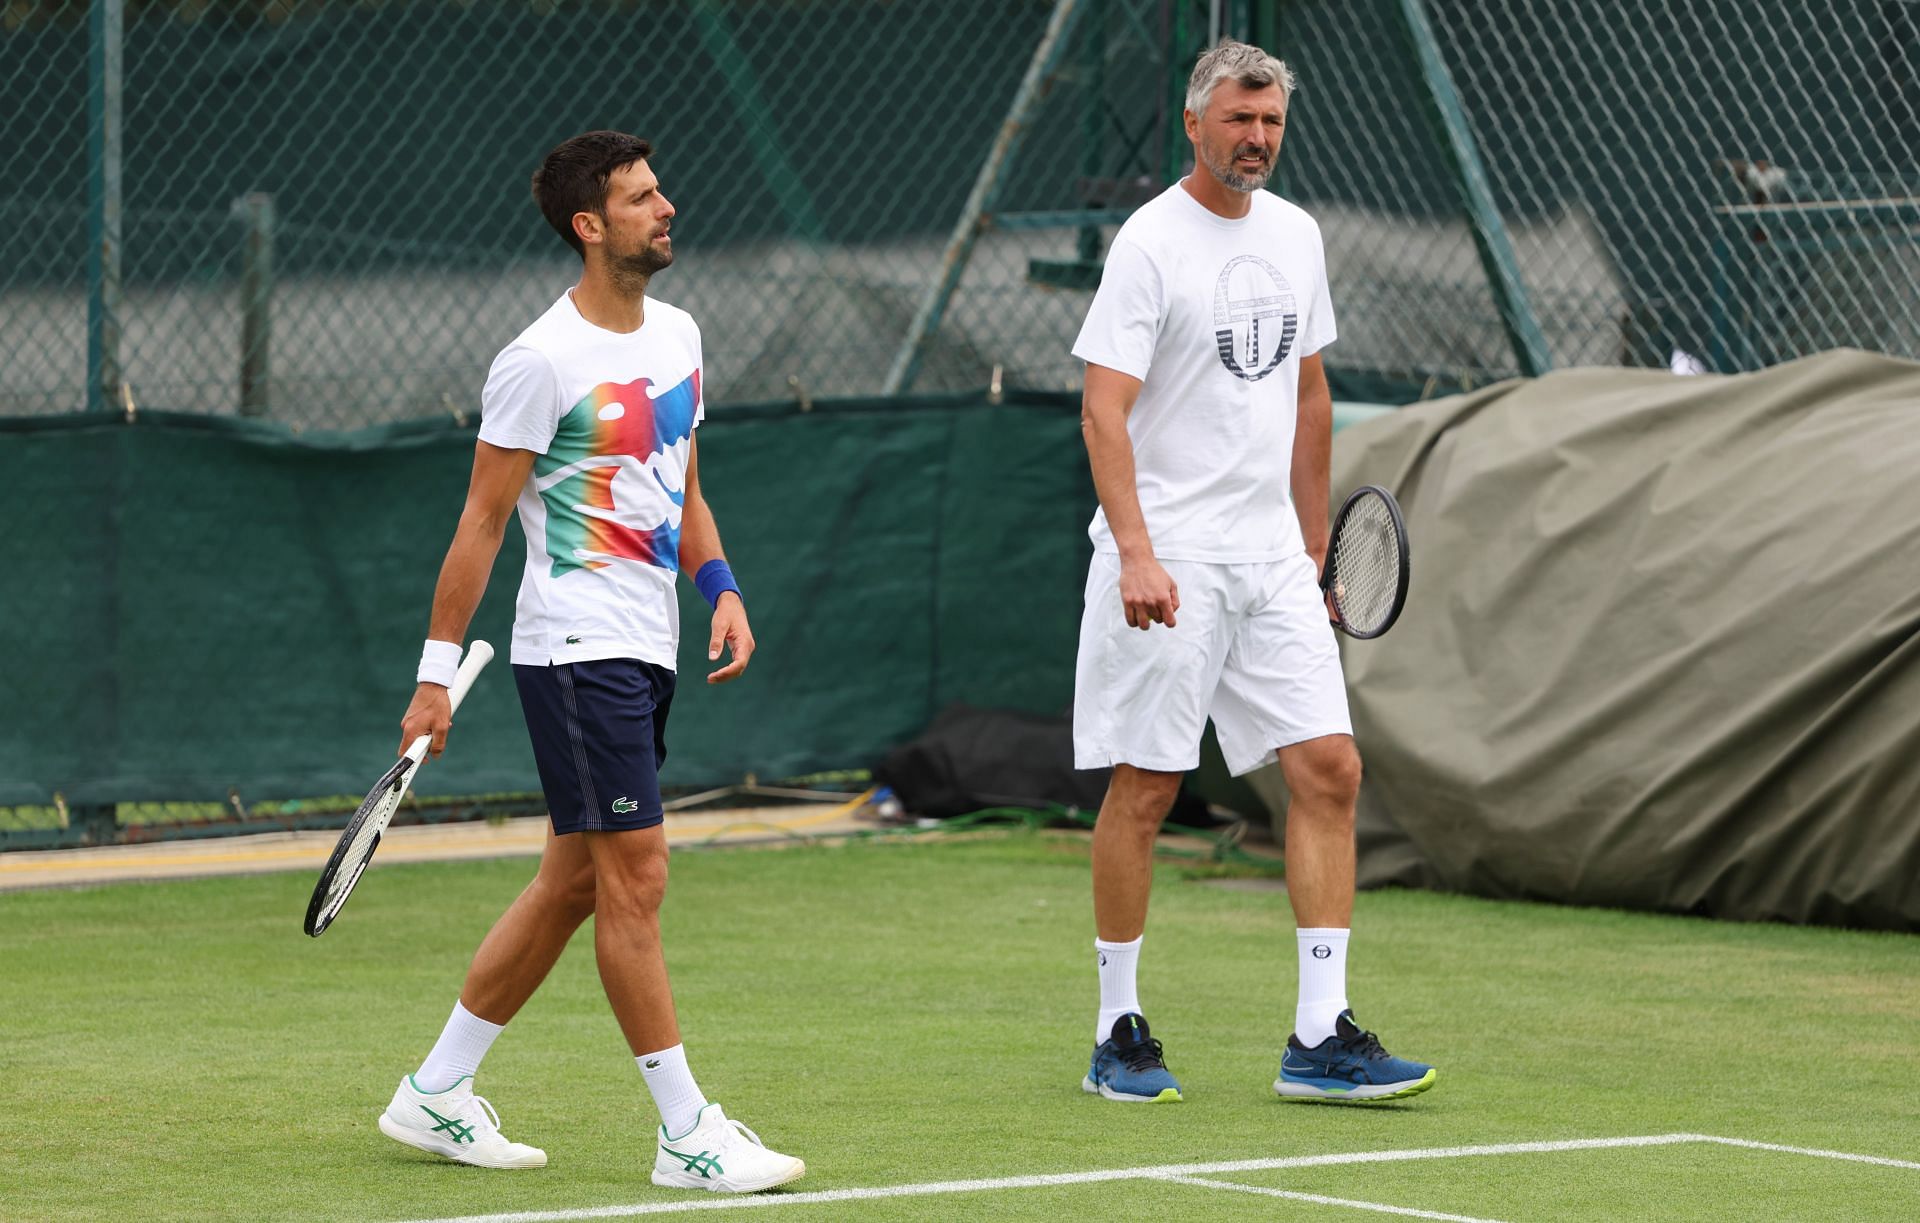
column 567, row 895
column 576, row 894
column 1139, row 799
column 1327, row 775
column 634, row 885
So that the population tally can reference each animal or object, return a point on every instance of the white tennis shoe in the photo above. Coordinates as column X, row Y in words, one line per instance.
column 721, row 1155
column 457, row 1124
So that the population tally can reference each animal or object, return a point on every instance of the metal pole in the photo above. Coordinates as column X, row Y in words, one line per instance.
column 986, row 193
column 105, row 24
column 1470, row 176
column 1093, row 121
column 256, row 302
column 1180, row 58
column 756, row 117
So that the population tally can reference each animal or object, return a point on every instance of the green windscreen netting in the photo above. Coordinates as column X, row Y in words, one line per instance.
column 205, row 606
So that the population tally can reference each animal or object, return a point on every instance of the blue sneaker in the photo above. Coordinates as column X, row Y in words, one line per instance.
column 1350, row 1066
column 1127, row 1066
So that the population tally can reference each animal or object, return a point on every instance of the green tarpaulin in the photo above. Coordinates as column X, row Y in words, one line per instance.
column 1662, row 648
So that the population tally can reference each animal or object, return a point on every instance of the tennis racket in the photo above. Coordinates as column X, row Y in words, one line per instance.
column 1367, row 571
column 363, row 832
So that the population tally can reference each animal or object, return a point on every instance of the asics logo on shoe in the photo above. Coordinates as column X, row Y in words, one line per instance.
column 705, row 1163
column 623, row 805
column 1287, row 1064
column 456, row 1129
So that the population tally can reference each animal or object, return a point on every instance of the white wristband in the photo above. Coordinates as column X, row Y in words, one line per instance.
column 439, row 663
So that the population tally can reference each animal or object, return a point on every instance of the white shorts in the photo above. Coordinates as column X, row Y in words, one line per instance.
column 1251, row 647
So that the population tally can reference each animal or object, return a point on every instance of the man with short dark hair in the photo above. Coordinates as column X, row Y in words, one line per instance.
column 1208, row 425
column 587, row 423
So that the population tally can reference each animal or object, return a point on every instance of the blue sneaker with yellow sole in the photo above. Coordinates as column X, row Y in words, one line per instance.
column 1349, row 1067
column 1128, row 1066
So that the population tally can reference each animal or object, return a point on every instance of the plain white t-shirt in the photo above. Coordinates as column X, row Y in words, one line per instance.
column 611, row 417
column 1213, row 316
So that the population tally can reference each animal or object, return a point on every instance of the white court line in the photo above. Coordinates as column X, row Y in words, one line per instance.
column 1882, row 1160
column 1322, row 1200
column 1071, row 1178
column 1164, row 1172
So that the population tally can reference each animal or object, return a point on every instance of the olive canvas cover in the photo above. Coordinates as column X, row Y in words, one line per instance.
column 1662, row 646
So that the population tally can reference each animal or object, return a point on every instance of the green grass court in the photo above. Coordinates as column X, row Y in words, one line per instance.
column 905, row 1013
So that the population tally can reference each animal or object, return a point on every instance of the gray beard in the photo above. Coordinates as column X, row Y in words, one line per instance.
column 1233, row 180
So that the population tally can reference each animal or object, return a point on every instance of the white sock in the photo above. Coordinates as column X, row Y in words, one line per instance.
column 463, row 1042
column 1323, row 984
column 675, row 1093
column 1118, row 994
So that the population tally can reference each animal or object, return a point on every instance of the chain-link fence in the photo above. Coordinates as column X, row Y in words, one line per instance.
column 1736, row 181
column 323, row 216
column 316, row 210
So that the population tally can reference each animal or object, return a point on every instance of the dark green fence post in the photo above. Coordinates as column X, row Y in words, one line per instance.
column 1470, row 176
column 976, row 214
column 104, row 25
column 256, row 302
column 756, row 117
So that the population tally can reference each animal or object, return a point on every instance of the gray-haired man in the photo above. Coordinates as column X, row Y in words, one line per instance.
column 1208, row 424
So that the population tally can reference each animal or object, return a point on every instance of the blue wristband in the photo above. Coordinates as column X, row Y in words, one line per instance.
column 714, row 580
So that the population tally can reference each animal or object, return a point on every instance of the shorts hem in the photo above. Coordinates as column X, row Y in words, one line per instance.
column 633, row 824
column 1239, row 768
column 1084, row 759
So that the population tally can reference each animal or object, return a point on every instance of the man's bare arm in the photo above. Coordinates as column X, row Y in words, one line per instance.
column 1313, row 457
column 699, row 544
column 498, row 476
column 1147, row 593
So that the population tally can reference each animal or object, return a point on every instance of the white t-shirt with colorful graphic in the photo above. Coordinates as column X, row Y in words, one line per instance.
column 611, row 417
column 1213, row 316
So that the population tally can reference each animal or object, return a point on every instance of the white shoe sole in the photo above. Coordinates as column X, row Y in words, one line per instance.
column 459, row 1152
column 1101, row 1089
column 727, row 1184
column 1368, row 1093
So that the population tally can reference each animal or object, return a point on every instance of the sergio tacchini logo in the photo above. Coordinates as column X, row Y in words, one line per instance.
column 1241, row 303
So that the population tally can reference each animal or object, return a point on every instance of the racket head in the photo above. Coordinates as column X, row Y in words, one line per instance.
column 357, row 842
column 1368, row 568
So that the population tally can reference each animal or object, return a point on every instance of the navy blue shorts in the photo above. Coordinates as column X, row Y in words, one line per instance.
column 599, row 732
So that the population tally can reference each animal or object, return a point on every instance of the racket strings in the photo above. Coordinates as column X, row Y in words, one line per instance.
column 1366, row 565
column 373, row 819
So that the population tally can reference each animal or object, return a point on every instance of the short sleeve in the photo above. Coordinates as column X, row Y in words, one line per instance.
column 699, row 377
column 520, row 407
column 1317, row 329
column 1128, row 309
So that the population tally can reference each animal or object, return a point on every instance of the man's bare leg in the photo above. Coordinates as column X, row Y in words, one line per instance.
column 526, row 942
column 1323, row 1062
column 1136, row 805
column 512, row 961
column 1323, row 781
column 434, row 1108
column 1126, row 1062
column 630, row 874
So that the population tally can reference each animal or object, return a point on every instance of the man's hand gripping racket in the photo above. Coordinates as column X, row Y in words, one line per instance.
column 1367, row 569
column 363, row 832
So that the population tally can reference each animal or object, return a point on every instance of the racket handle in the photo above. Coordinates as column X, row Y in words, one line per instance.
column 479, row 654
